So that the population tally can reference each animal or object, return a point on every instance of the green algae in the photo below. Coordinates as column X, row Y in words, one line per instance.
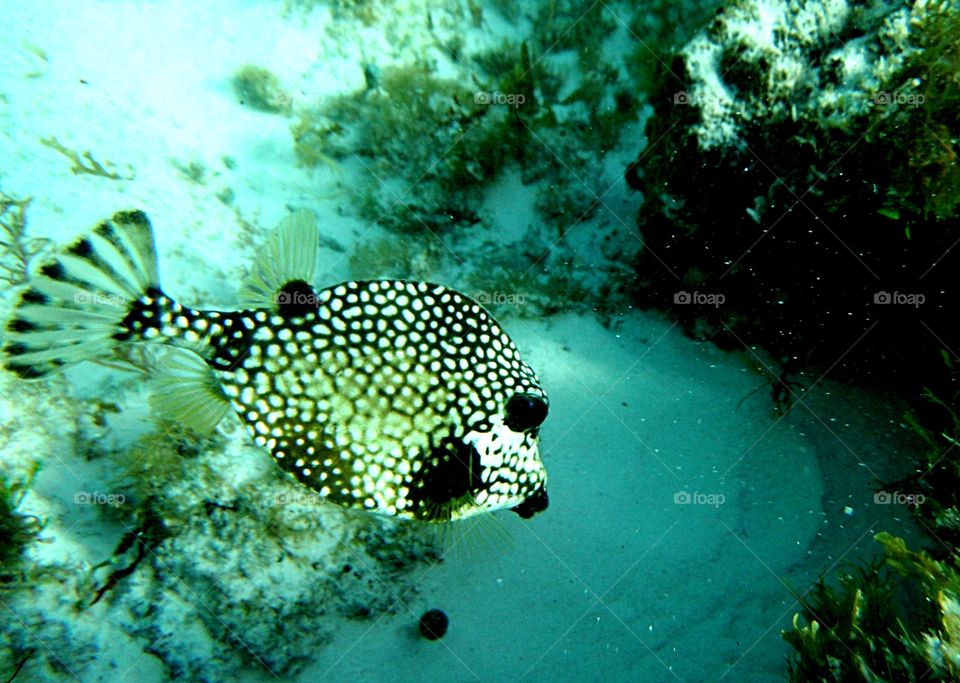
column 259, row 88
column 424, row 143
column 17, row 250
column 895, row 619
column 17, row 530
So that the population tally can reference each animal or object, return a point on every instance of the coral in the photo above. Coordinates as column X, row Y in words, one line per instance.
column 260, row 89
column 798, row 167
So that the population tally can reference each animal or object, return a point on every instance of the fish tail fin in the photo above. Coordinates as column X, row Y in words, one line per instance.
column 76, row 305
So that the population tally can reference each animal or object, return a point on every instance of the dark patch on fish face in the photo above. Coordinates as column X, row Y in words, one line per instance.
column 296, row 298
column 538, row 502
column 525, row 412
column 451, row 472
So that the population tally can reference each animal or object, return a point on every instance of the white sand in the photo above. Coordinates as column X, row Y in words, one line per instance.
column 616, row 581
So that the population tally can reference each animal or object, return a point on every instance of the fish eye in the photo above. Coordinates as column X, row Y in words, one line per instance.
column 525, row 411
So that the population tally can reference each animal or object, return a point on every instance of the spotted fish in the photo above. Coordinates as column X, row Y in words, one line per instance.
column 398, row 397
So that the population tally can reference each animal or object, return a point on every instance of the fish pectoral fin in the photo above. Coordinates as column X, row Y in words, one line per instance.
column 185, row 390
column 289, row 255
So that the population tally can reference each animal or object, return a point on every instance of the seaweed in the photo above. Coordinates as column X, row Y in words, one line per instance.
column 17, row 251
column 366, row 11
column 409, row 185
column 392, row 257
column 132, row 550
column 84, row 163
column 759, row 196
column 894, row 619
column 17, row 530
column 195, row 171
column 936, row 471
column 922, row 135
column 259, row 88
column 580, row 25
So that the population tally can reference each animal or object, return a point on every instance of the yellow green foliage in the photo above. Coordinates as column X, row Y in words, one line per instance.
column 894, row 620
column 923, row 133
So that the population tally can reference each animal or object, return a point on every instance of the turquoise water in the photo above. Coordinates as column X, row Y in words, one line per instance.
column 486, row 146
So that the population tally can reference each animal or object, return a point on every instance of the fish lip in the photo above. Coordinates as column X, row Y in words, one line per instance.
column 538, row 501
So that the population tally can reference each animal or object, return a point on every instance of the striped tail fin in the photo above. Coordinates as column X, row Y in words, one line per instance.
column 76, row 303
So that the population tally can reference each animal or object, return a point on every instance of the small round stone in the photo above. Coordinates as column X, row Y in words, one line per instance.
column 433, row 624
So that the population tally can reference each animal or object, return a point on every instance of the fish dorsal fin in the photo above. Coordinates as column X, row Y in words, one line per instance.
column 184, row 390
column 289, row 255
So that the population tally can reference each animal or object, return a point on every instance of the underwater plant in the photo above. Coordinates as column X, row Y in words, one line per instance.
column 17, row 530
column 84, row 163
column 424, row 143
column 259, row 88
column 17, row 251
column 364, row 10
column 922, row 137
column 806, row 174
column 896, row 619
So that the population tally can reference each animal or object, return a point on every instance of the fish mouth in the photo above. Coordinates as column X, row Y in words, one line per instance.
column 536, row 502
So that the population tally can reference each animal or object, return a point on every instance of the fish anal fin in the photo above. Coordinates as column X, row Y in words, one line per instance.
column 185, row 390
